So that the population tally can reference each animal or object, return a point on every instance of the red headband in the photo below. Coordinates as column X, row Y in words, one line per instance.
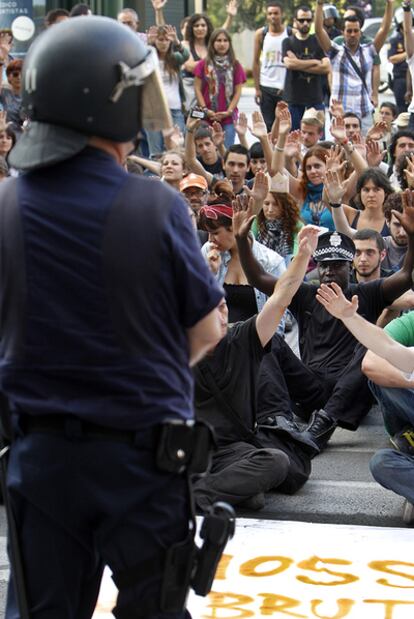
column 213, row 211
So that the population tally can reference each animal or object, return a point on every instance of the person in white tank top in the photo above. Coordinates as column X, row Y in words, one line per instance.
column 268, row 70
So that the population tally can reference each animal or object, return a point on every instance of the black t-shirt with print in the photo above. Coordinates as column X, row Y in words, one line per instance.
column 301, row 87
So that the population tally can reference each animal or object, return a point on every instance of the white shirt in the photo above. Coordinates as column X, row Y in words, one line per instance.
column 272, row 69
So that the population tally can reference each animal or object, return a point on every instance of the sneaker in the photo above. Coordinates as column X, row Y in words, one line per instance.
column 321, row 428
column 404, row 441
column 408, row 513
column 255, row 502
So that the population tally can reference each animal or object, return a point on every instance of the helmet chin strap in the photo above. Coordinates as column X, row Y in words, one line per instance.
column 134, row 76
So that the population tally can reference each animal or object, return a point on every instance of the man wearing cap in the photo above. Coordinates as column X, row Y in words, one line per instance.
column 305, row 63
column 106, row 302
column 195, row 189
column 328, row 379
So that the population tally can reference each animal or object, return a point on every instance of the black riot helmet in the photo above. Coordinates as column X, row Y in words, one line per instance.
column 82, row 78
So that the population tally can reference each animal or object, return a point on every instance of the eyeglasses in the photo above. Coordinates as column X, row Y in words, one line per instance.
column 302, row 20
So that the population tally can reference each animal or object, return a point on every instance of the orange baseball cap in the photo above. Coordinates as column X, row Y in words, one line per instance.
column 193, row 180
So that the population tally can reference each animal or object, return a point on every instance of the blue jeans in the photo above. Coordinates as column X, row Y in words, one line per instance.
column 297, row 111
column 397, row 407
column 229, row 134
column 391, row 468
column 155, row 139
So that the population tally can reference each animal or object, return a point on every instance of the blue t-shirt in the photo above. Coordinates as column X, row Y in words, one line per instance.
column 112, row 279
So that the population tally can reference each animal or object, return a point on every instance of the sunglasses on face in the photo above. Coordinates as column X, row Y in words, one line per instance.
column 303, row 20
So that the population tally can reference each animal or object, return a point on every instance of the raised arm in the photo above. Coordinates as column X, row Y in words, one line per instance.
column 152, row 166
column 323, row 37
column 243, row 216
column 158, row 6
column 408, row 29
column 268, row 319
column 231, row 10
column 384, row 29
column 259, row 131
column 278, row 158
column 371, row 336
column 190, row 151
column 335, row 190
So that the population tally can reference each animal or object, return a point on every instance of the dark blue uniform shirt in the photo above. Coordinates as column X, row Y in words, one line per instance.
column 106, row 275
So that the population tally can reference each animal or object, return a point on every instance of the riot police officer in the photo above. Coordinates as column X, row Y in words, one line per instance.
column 105, row 304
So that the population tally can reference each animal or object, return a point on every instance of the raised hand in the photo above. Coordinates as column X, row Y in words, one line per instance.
column 192, row 123
column 158, row 4
column 359, row 144
column 293, row 142
column 335, row 188
column 308, row 239
column 406, row 218
column 374, row 153
column 338, row 129
column 334, row 301
column 336, row 109
column 173, row 137
column 232, row 8
column 284, row 118
column 258, row 129
column 409, row 170
column 217, row 134
column 152, row 34
column 260, row 187
column 335, row 161
column 241, row 124
column 377, row 131
column 243, row 215
column 171, row 34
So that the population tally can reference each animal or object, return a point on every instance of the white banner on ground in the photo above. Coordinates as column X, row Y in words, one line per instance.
column 308, row 571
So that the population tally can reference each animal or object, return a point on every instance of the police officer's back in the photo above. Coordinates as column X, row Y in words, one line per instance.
column 105, row 301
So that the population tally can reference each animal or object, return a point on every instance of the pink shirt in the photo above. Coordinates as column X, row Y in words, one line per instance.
column 239, row 77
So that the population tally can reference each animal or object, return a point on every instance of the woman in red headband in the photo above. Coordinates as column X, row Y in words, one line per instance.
column 222, row 255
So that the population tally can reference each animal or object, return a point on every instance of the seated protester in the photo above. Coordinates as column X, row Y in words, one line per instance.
column 373, row 188
column 397, row 243
column 10, row 98
column 55, row 16
column 248, row 463
column 311, row 128
column 352, row 124
column 257, row 162
column 388, row 114
column 308, row 187
column 278, row 223
column 235, row 162
column 328, row 378
column 195, row 190
column 171, row 167
column 206, row 150
column 401, row 143
column 220, row 251
column 389, row 364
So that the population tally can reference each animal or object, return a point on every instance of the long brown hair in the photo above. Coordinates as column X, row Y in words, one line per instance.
column 170, row 63
column 319, row 153
column 290, row 215
column 210, row 48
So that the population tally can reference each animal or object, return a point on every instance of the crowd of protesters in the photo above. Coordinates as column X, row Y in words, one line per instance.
column 256, row 209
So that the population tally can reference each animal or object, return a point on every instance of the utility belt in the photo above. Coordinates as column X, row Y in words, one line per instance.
column 180, row 445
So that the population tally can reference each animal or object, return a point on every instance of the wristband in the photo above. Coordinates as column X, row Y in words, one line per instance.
column 335, row 204
column 279, row 149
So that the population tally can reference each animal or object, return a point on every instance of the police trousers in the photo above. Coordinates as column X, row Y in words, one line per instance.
column 81, row 504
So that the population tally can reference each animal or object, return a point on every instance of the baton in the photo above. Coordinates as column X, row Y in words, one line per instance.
column 16, row 560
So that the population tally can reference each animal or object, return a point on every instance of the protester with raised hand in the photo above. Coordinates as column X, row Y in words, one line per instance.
column 392, row 468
